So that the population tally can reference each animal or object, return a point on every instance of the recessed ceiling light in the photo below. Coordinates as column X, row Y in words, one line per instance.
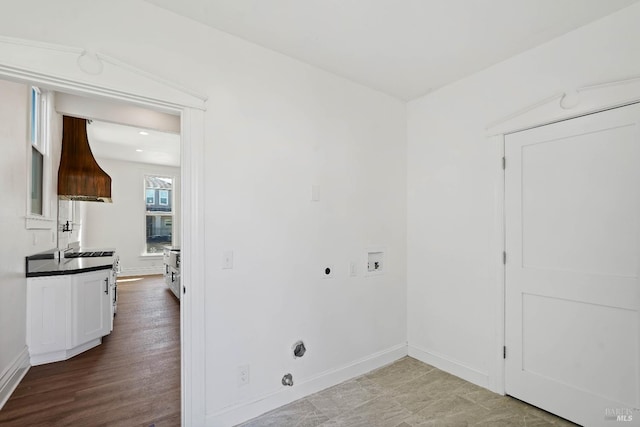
column 139, row 150
column 143, row 133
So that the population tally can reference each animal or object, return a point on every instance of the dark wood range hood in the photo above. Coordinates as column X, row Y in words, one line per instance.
column 79, row 176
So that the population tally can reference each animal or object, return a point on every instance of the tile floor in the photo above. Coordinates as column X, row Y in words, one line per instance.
column 407, row 393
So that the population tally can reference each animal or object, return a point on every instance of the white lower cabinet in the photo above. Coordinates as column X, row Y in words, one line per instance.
column 67, row 315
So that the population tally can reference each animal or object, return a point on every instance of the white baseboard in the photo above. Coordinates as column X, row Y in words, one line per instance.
column 451, row 366
column 12, row 376
column 60, row 355
column 245, row 411
column 141, row 271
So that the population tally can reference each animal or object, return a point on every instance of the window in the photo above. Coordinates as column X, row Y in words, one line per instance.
column 151, row 197
column 158, row 213
column 38, row 129
column 37, row 166
column 36, row 96
column 164, row 197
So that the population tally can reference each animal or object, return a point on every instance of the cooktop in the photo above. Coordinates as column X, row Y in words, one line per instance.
column 88, row 254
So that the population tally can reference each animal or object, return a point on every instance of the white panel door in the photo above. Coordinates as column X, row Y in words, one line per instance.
column 572, row 211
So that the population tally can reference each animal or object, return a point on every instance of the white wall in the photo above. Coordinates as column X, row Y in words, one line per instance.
column 280, row 132
column 70, row 214
column 18, row 242
column 452, row 266
column 121, row 224
column 275, row 127
column 113, row 112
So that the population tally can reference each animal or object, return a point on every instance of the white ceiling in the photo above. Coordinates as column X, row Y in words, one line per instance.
column 405, row 48
column 120, row 142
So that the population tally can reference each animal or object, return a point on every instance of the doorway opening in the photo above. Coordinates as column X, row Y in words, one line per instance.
column 56, row 69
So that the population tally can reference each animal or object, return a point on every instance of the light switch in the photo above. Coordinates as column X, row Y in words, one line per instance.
column 315, row 193
column 227, row 260
column 353, row 269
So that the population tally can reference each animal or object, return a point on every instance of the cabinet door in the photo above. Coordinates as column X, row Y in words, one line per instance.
column 112, row 297
column 47, row 308
column 91, row 306
column 174, row 281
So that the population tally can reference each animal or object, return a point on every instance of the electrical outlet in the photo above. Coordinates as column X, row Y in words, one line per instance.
column 243, row 375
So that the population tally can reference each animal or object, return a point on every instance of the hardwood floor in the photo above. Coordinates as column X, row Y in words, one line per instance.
column 131, row 379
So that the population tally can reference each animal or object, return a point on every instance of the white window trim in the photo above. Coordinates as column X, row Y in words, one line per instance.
column 42, row 143
column 147, row 255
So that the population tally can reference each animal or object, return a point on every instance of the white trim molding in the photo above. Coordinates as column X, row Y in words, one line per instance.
column 192, row 260
column 497, row 247
column 61, row 69
column 35, row 222
column 450, row 365
column 12, row 376
column 140, row 271
column 239, row 413
column 569, row 104
column 57, row 356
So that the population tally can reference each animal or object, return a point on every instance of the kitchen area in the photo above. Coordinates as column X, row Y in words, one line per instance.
column 94, row 279
column 71, row 302
column 72, row 291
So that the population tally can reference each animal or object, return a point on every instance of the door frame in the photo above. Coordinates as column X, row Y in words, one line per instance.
column 584, row 100
column 94, row 75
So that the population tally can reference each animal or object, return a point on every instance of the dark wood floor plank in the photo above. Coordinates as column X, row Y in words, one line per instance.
column 131, row 379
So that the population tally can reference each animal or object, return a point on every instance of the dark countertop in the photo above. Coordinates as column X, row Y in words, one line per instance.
column 45, row 264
